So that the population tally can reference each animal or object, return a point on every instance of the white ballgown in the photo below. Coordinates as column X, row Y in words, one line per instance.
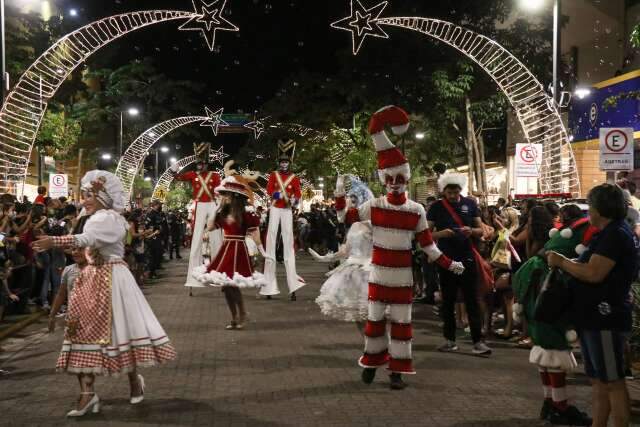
column 344, row 295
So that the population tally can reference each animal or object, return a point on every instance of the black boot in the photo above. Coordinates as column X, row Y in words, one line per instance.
column 547, row 407
column 571, row 416
column 293, row 296
column 396, row 382
column 368, row 374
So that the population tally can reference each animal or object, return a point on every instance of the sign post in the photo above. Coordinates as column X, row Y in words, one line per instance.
column 58, row 185
column 616, row 149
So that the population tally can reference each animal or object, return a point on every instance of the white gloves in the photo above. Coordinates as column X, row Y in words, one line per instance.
column 329, row 257
column 456, row 267
column 340, row 185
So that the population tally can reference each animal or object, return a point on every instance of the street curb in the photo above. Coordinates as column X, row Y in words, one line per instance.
column 21, row 325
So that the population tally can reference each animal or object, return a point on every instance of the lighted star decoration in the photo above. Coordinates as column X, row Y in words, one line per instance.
column 362, row 22
column 214, row 120
column 218, row 155
column 257, row 127
column 209, row 20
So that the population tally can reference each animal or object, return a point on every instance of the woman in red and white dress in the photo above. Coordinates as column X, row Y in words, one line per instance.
column 232, row 269
column 110, row 327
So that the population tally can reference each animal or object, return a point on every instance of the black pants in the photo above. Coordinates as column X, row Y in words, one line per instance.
column 176, row 241
column 155, row 254
column 466, row 282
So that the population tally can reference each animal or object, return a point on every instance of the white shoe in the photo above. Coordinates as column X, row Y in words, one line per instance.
column 138, row 399
column 93, row 406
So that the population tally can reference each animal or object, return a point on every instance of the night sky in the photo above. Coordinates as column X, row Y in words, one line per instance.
column 277, row 39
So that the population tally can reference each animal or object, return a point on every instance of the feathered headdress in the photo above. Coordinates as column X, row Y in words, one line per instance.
column 360, row 190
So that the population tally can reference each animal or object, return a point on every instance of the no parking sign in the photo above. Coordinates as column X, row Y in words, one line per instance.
column 58, row 185
column 528, row 160
column 616, row 149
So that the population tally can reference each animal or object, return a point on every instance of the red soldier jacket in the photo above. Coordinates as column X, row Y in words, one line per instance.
column 288, row 183
column 202, row 193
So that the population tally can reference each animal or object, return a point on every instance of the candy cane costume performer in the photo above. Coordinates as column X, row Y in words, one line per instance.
column 395, row 221
column 204, row 183
column 110, row 327
column 285, row 192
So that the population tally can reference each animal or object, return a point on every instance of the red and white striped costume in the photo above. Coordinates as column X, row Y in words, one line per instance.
column 396, row 222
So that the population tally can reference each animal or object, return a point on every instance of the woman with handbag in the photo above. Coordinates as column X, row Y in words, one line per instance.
column 600, row 306
column 550, row 336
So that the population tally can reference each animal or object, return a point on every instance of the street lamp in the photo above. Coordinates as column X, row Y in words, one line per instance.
column 164, row 149
column 582, row 92
column 173, row 160
column 534, row 5
column 132, row 112
column 73, row 12
column 419, row 135
column 106, row 156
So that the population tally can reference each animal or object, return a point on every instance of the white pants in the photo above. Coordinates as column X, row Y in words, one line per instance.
column 284, row 219
column 205, row 211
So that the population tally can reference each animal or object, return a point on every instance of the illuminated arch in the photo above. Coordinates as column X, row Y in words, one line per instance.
column 536, row 111
column 26, row 104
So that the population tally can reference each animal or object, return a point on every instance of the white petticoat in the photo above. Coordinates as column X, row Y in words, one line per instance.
column 344, row 296
column 217, row 279
column 553, row 359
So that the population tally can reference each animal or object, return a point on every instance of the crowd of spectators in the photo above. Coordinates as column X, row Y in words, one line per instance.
column 31, row 281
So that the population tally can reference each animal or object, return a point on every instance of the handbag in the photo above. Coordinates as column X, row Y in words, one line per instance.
column 554, row 298
column 484, row 271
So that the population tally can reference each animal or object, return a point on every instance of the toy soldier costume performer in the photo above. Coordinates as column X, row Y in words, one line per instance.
column 204, row 183
column 396, row 222
column 284, row 189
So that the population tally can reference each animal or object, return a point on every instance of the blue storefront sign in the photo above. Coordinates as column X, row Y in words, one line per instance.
column 589, row 114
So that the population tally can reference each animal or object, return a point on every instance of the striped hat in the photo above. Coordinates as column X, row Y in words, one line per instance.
column 391, row 161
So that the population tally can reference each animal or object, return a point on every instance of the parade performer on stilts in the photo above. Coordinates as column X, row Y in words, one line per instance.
column 344, row 296
column 110, row 327
column 396, row 222
column 204, row 183
column 285, row 192
column 231, row 269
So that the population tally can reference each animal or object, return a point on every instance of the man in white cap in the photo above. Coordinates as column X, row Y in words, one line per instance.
column 396, row 222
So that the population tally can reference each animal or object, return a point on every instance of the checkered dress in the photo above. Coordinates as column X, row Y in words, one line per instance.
column 110, row 326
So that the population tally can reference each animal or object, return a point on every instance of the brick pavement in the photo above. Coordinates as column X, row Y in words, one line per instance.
column 291, row 367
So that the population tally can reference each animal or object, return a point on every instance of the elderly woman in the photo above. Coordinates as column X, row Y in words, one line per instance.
column 110, row 326
column 601, row 307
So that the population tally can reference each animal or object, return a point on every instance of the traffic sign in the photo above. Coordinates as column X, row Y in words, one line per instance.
column 528, row 160
column 58, row 185
column 616, row 149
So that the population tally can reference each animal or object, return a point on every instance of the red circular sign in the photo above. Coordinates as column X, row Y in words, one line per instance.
column 615, row 144
column 528, row 154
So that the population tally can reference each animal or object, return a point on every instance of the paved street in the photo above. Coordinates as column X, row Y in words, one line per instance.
column 290, row 367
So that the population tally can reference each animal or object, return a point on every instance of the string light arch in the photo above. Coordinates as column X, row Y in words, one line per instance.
column 25, row 106
column 536, row 110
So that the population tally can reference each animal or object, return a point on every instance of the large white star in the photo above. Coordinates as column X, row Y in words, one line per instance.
column 257, row 127
column 208, row 20
column 218, row 155
column 214, row 120
column 362, row 22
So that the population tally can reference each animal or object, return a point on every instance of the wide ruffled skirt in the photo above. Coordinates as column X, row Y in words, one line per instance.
column 553, row 359
column 219, row 279
column 344, row 295
column 111, row 328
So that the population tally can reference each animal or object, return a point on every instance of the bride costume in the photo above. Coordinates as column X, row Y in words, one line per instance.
column 344, row 295
column 110, row 327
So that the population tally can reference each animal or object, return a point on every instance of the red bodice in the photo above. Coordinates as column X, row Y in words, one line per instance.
column 233, row 256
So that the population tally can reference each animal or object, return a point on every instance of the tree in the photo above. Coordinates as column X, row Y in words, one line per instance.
column 59, row 133
column 179, row 197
